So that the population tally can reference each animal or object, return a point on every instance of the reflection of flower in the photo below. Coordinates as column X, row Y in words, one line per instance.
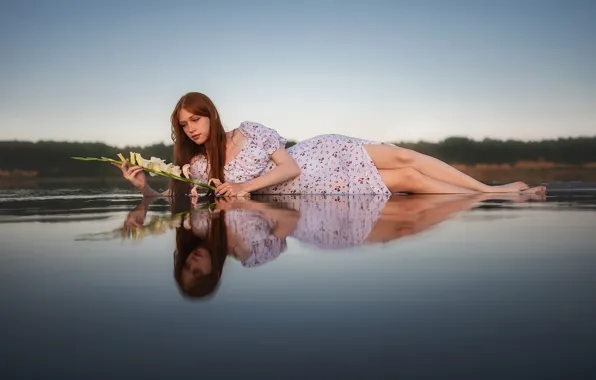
column 157, row 226
column 155, row 166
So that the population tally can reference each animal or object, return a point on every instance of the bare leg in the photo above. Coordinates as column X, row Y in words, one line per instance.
column 415, row 213
column 410, row 180
column 393, row 157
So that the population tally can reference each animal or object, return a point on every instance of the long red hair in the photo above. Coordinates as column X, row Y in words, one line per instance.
column 214, row 149
column 215, row 242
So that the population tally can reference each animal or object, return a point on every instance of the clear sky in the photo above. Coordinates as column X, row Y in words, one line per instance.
column 112, row 71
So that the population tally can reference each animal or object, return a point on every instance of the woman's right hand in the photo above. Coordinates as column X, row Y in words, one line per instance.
column 134, row 174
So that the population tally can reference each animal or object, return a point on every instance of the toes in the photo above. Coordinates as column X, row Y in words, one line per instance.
column 535, row 190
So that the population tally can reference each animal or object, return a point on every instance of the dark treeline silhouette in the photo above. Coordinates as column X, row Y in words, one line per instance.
column 52, row 159
column 461, row 150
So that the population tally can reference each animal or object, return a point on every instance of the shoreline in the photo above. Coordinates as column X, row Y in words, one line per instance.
column 489, row 174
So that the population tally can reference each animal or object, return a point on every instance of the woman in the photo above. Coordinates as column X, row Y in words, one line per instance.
column 252, row 159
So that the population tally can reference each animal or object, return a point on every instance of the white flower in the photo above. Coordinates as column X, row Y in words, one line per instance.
column 170, row 169
column 140, row 160
column 186, row 222
column 186, row 170
column 175, row 170
column 153, row 166
column 175, row 223
column 156, row 164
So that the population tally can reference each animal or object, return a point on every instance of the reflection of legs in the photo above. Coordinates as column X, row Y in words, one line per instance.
column 399, row 205
column 409, row 215
column 389, row 157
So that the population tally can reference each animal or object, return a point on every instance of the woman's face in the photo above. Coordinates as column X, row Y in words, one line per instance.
column 198, row 263
column 194, row 126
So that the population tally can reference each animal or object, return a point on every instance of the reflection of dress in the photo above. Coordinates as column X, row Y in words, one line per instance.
column 252, row 228
column 334, row 221
column 330, row 164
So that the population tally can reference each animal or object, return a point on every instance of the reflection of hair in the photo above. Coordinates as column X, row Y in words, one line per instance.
column 215, row 242
column 185, row 149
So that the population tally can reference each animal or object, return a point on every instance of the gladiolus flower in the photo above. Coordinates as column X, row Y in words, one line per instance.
column 140, row 160
column 186, row 170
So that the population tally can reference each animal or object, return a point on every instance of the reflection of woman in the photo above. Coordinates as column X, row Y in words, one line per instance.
column 255, row 232
column 337, row 222
column 251, row 232
column 199, row 260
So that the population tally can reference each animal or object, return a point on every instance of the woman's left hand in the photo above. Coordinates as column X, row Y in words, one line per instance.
column 230, row 189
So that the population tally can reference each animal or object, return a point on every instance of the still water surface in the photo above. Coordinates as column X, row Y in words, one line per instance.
column 97, row 284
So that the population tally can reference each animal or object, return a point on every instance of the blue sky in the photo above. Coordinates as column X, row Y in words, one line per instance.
column 112, row 71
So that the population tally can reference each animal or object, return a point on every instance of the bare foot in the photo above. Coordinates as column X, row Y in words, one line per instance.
column 522, row 197
column 535, row 190
column 514, row 187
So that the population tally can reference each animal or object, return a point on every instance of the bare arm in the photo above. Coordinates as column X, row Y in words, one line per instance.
column 136, row 176
column 285, row 223
column 285, row 170
column 148, row 191
column 284, row 220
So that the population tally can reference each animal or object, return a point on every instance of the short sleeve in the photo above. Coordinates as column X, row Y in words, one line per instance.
column 255, row 232
column 199, row 222
column 265, row 136
column 198, row 169
column 264, row 251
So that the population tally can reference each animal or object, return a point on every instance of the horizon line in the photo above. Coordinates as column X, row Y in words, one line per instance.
column 396, row 142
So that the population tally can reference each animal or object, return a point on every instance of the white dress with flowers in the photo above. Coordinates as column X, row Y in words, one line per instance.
column 330, row 164
column 251, row 228
column 332, row 222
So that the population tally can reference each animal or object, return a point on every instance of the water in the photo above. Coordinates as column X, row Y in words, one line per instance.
column 313, row 287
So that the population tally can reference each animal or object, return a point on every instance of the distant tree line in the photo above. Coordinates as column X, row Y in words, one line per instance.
column 462, row 150
column 52, row 159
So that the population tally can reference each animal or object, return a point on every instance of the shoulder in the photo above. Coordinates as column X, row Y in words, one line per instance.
column 261, row 133
column 254, row 127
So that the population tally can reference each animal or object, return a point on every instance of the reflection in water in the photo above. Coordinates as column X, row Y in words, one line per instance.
column 254, row 231
column 472, row 294
column 250, row 232
column 337, row 222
